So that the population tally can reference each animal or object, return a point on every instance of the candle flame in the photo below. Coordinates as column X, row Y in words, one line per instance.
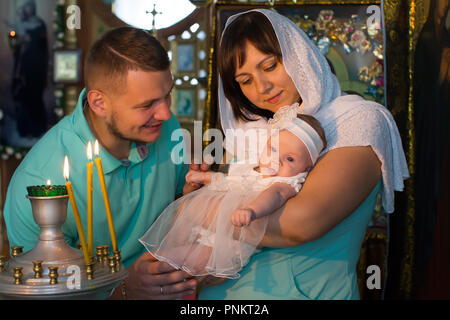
column 89, row 151
column 96, row 148
column 49, row 182
column 66, row 168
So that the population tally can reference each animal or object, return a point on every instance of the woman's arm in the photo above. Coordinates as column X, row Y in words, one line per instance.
column 335, row 187
column 267, row 202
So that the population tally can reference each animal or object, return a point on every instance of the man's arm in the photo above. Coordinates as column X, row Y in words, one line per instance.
column 195, row 179
column 335, row 187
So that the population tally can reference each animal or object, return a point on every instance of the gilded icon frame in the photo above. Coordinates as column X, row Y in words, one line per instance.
column 185, row 103
column 73, row 62
column 184, row 60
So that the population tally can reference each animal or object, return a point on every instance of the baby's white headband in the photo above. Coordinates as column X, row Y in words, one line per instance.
column 286, row 119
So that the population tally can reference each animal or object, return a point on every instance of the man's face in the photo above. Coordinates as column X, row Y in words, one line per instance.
column 137, row 114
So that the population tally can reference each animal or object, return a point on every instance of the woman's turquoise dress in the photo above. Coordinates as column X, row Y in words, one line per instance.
column 322, row 269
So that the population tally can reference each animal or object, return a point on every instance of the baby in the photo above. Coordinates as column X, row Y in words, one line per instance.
column 215, row 229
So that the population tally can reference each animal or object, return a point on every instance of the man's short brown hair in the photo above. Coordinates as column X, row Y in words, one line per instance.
column 119, row 51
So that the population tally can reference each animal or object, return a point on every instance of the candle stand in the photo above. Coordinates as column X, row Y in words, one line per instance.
column 53, row 269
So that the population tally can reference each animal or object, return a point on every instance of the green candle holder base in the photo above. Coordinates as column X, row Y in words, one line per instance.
column 46, row 191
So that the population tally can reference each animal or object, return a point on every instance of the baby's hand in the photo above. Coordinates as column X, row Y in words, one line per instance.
column 242, row 217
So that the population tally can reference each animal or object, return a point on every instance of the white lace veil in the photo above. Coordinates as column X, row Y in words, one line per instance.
column 304, row 63
column 321, row 95
column 311, row 74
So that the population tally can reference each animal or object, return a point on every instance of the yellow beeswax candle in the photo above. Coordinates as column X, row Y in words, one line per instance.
column 90, row 167
column 101, row 176
column 75, row 211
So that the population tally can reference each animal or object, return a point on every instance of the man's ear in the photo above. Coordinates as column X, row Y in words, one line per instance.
column 97, row 102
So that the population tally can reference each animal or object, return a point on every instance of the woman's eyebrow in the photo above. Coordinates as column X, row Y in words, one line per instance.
column 258, row 66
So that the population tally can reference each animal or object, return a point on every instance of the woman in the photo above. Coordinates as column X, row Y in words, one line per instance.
column 312, row 245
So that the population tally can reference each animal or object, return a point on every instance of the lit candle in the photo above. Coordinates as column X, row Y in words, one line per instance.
column 98, row 162
column 90, row 166
column 48, row 191
column 75, row 211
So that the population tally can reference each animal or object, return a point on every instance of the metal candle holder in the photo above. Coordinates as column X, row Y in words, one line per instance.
column 48, row 271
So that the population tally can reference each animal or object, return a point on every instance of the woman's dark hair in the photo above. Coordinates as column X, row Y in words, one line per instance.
column 257, row 29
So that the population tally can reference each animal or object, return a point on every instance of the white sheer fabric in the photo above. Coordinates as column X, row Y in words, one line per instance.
column 348, row 120
column 195, row 233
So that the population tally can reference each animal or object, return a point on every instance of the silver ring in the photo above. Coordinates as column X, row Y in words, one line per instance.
column 161, row 290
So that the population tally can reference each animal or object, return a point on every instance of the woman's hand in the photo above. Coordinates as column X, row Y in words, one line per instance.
column 151, row 279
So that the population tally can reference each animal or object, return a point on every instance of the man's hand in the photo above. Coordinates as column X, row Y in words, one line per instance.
column 192, row 186
column 198, row 177
column 151, row 279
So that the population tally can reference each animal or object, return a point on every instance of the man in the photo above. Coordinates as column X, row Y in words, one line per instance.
column 125, row 106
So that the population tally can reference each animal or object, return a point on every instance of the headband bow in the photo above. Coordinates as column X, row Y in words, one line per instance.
column 286, row 119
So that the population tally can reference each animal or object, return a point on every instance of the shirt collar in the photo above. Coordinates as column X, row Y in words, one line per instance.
column 138, row 151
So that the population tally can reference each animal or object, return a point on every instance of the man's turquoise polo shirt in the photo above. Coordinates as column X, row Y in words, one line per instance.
column 139, row 187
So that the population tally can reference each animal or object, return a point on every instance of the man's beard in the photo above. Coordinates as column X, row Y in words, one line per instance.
column 114, row 130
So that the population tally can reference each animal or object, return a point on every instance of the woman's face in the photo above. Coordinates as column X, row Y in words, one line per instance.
column 264, row 80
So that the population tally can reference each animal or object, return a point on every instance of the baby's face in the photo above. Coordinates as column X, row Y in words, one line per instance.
column 290, row 158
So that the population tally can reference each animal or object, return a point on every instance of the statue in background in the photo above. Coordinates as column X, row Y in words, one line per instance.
column 30, row 71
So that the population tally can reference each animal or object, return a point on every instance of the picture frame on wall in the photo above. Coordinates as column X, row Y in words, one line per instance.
column 185, row 106
column 184, row 61
column 67, row 66
column 185, row 57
